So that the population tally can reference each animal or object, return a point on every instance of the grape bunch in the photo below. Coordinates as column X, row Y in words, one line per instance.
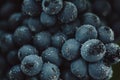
column 59, row 39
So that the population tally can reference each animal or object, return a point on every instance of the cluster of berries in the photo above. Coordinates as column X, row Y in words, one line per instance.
column 59, row 39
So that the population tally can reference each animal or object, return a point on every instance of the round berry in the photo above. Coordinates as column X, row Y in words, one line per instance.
column 31, row 65
column 79, row 68
column 98, row 70
column 93, row 50
column 47, row 20
column 58, row 39
column 106, row 34
column 81, row 5
column 52, row 7
column 26, row 50
column 22, row 35
column 49, row 72
column 69, row 13
column 42, row 40
column 15, row 20
column 15, row 73
column 112, row 55
column 92, row 19
column 69, row 29
column 30, row 7
column 6, row 42
column 51, row 54
column 34, row 25
column 70, row 49
column 88, row 31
